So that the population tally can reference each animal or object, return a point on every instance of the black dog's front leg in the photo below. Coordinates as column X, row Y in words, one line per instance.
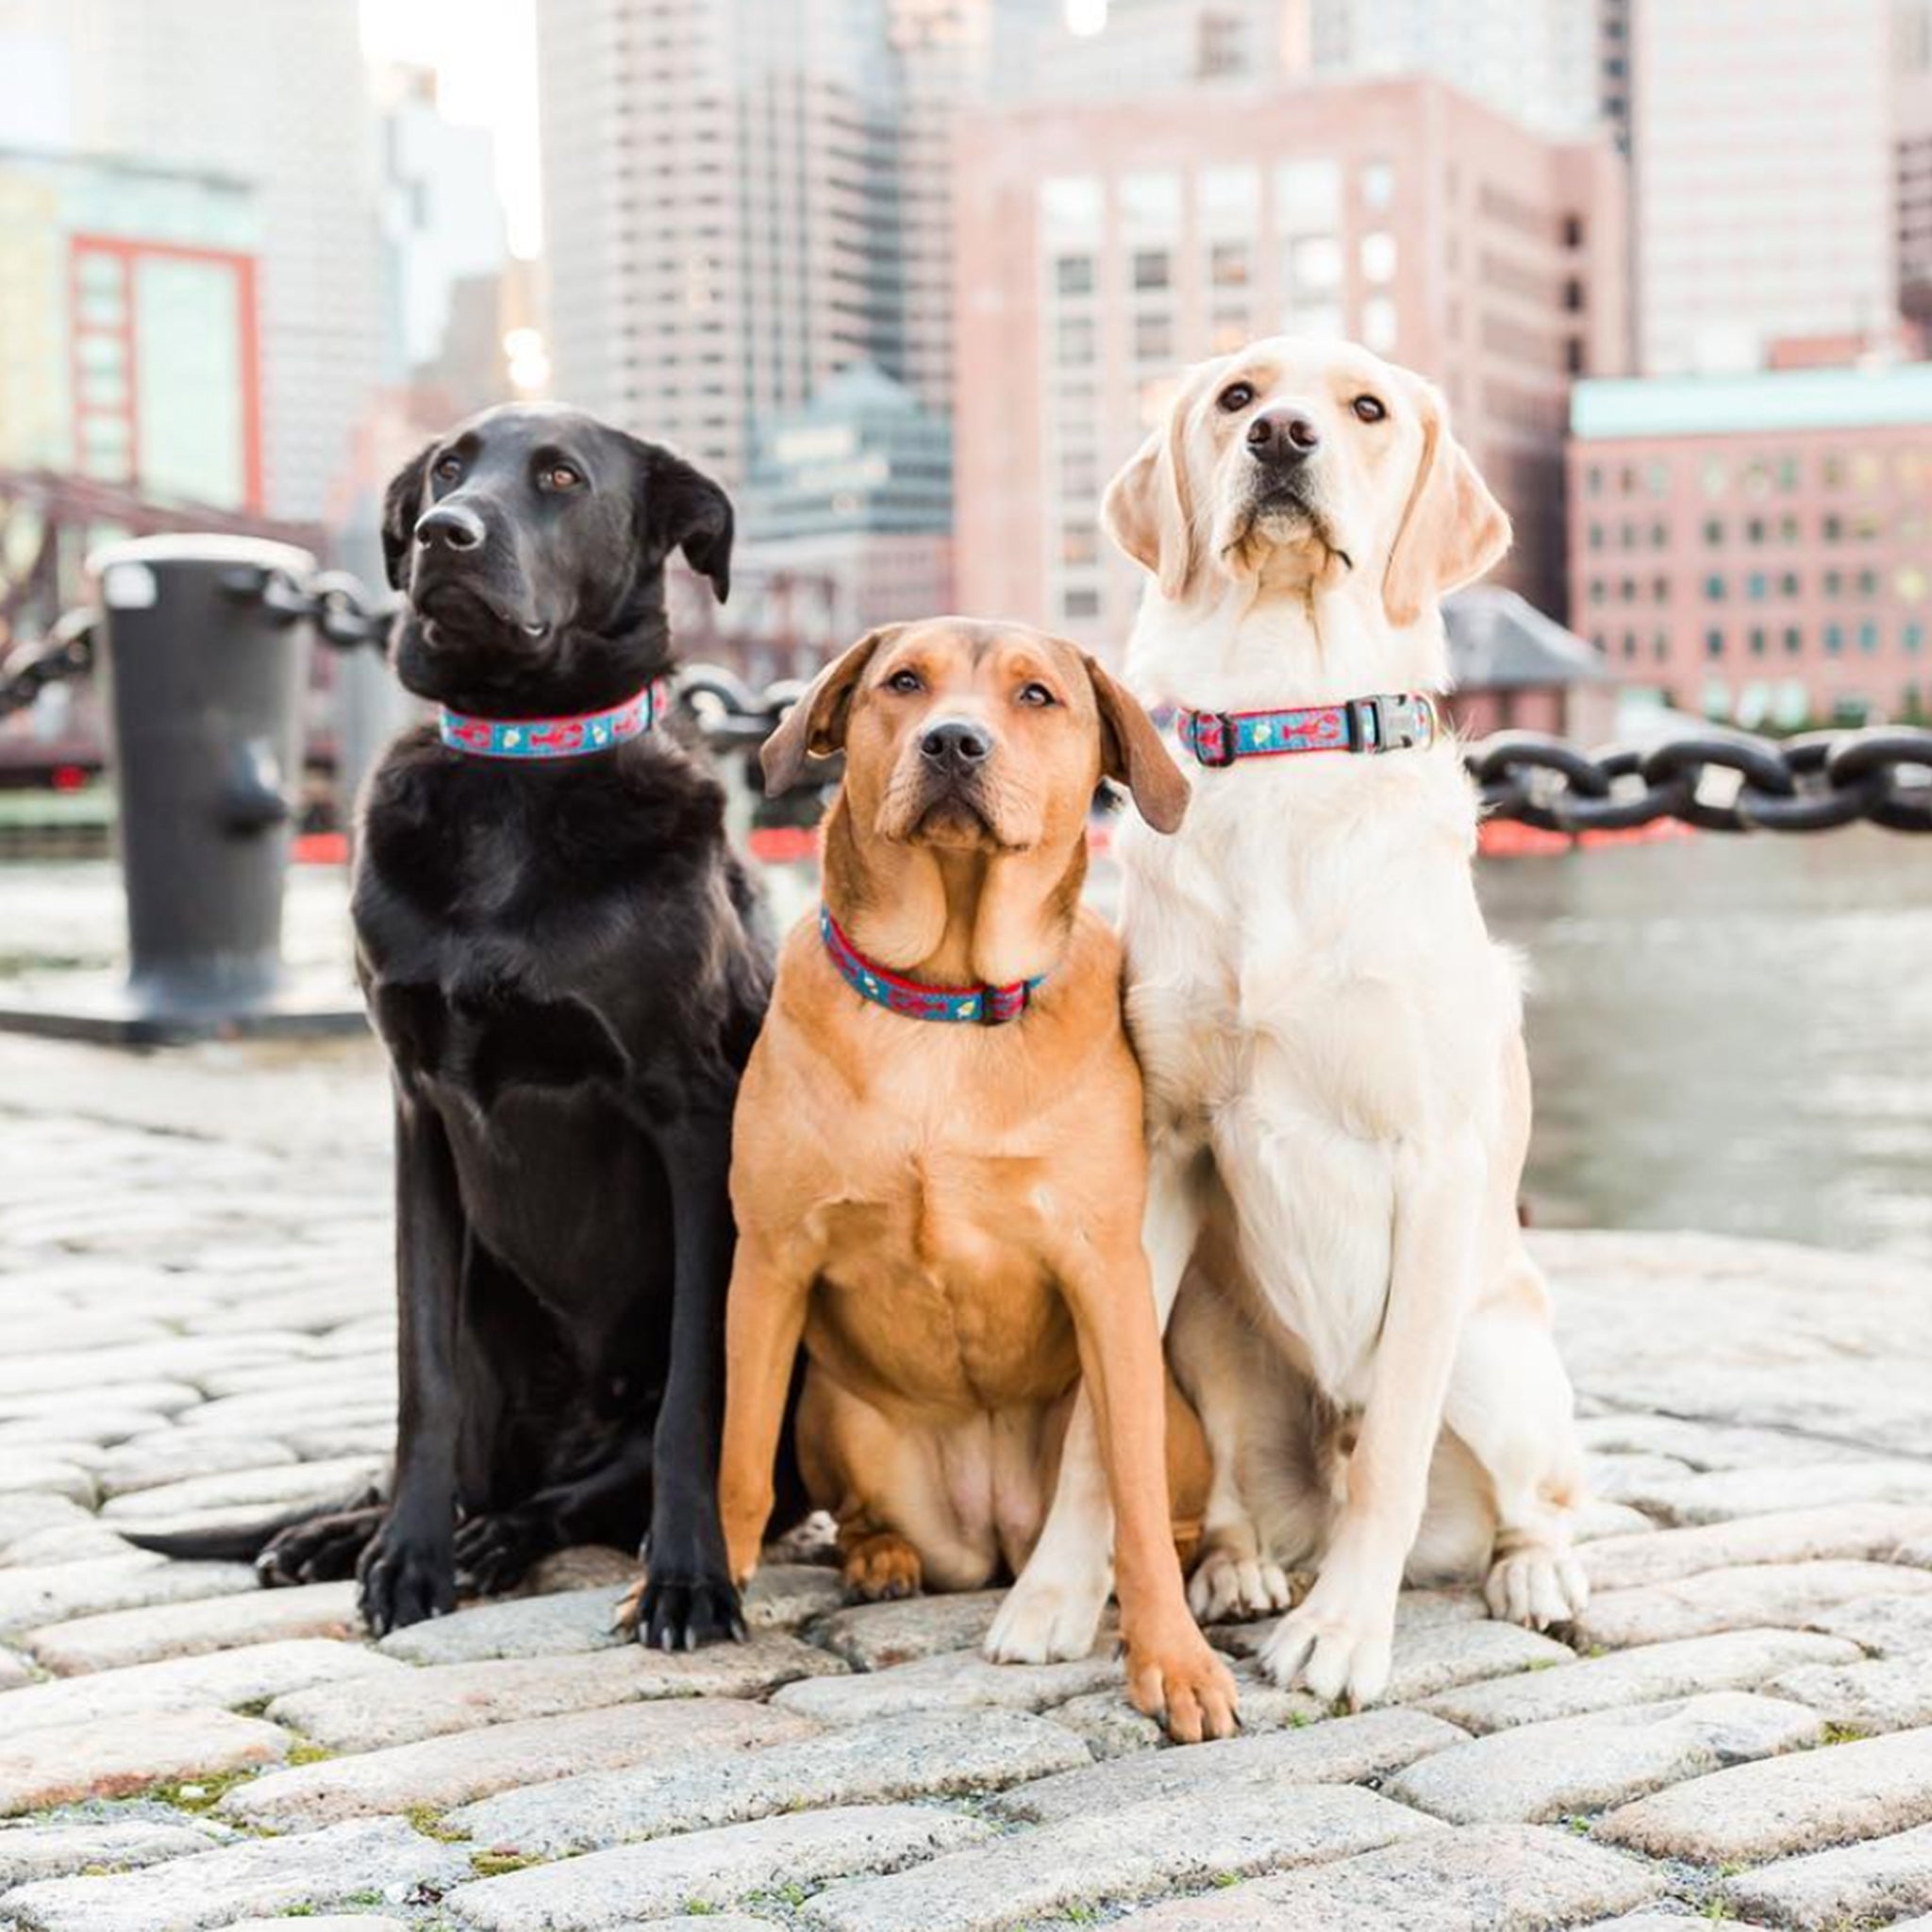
column 408, row 1571
column 690, row 1598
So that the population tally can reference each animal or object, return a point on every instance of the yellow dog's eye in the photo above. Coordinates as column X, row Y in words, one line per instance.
column 1237, row 396
column 1368, row 409
column 905, row 682
column 1035, row 694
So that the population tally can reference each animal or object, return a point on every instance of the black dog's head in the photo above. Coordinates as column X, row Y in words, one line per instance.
column 530, row 544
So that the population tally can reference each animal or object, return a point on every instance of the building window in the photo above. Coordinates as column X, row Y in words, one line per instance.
column 1073, row 275
column 1758, row 640
column 1072, row 210
column 1834, row 640
column 1714, row 476
column 1788, row 529
column 1079, row 601
column 1833, row 583
column 1378, row 324
column 1755, row 586
column 1788, row 584
column 1079, row 544
column 1660, row 645
column 1378, row 255
column 1754, row 530
column 1787, row 472
column 1713, row 644
column 1593, row 480
column 1714, row 588
column 1074, row 341
column 1660, row 589
column 1150, row 207
column 1714, row 531
column 1153, row 338
column 1832, row 472
column 1152, row 268
column 1867, row 583
column 1596, row 536
column 1795, row 641
column 1656, row 479
column 1868, row 637
column 1913, row 637
column 1378, row 184
column 1659, row 536
column 1910, row 584
column 1307, row 194
column 1314, row 266
column 1832, row 529
column 1229, row 265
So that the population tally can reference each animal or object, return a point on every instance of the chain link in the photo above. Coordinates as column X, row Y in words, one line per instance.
column 1728, row 782
column 67, row 651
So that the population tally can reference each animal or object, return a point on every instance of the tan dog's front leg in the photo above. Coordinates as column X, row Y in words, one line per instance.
column 1172, row 1671
column 764, row 1319
column 1340, row 1638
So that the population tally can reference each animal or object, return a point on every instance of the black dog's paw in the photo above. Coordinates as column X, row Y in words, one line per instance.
column 325, row 1549
column 670, row 1611
column 405, row 1580
column 494, row 1552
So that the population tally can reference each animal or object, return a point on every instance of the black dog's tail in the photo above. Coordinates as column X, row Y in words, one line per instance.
column 305, row 1545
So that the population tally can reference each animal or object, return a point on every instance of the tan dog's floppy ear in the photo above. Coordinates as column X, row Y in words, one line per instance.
column 1148, row 508
column 815, row 725
column 1131, row 753
column 1452, row 529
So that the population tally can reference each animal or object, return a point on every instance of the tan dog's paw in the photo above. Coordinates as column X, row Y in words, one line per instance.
column 1185, row 1687
column 1228, row 1587
column 1536, row 1587
column 881, row 1567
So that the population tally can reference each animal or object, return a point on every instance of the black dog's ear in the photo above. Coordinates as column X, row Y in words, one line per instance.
column 402, row 504
column 683, row 510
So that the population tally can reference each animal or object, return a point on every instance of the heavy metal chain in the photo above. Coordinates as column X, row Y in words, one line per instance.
column 67, row 651
column 1719, row 782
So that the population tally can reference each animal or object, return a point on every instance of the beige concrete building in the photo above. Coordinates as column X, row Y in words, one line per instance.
column 1100, row 249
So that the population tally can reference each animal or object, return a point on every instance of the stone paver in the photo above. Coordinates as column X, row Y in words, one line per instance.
column 439, row 1772
column 1091, row 1861
column 195, row 1273
column 960, row 1680
column 41, row 1593
column 193, row 1629
column 606, row 1889
column 1882, row 1694
column 220, row 1679
column 1861, row 1883
column 110, row 1757
column 1538, row 1772
column 1344, row 1750
column 381, row 1860
column 56, row 1851
column 1760, row 1811
column 1787, row 1595
column 1495, row 1878
column 402, row 1705
column 1871, row 1530
column 1731, row 1661
column 940, row 1753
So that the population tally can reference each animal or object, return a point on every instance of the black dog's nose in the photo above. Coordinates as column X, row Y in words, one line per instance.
column 955, row 746
column 452, row 525
column 1283, row 436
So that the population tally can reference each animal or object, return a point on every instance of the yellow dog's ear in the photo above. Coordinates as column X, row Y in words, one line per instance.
column 1452, row 529
column 815, row 725
column 1149, row 510
column 1132, row 753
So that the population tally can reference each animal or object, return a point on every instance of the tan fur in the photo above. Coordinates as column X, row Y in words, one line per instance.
column 948, row 1216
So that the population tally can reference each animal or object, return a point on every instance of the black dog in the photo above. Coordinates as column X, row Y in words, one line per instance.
column 568, row 966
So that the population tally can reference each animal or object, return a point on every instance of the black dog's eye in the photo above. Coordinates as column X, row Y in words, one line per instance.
column 1035, row 694
column 1368, row 409
column 906, row 682
column 447, row 469
column 1237, row 396
column 559, row 476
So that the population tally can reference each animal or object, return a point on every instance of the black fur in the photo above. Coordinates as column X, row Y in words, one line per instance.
column 568, row 965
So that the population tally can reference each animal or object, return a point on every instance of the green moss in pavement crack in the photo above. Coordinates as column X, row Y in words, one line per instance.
column 307, row 1754
column 427, row 1819
column 198, row 1794
column 1843, row 1734
column 494, row 1864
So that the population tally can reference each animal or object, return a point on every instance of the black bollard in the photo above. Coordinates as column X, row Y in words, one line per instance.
column 204, row 650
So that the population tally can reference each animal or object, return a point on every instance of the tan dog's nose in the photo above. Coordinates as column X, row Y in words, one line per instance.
column 957, row 746
column 1283, row 436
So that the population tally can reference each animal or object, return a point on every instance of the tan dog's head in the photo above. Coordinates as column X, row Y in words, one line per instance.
column 975, row 737
column 1308, row 464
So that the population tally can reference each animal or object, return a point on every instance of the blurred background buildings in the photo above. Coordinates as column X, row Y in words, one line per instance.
column 913, row 276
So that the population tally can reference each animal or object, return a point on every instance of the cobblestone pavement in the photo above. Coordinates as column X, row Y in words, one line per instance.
column 194, row 1285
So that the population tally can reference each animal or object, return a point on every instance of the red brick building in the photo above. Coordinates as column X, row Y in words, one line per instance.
column 1759, row 547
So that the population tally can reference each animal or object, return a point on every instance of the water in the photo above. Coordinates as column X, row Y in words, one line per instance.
column 1726, row 1034
column 1732, row 1035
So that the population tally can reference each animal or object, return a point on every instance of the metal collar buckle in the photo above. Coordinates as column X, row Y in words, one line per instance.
column 1223, row 727
column 1391, row 723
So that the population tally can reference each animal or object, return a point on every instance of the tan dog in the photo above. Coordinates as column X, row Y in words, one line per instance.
column 947, row 1213
column 1337, row 1096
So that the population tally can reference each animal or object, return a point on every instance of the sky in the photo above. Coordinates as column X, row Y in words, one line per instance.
column 485, row 55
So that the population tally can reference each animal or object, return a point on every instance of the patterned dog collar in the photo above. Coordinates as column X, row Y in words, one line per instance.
column 1400, row 723
column 984, row 1006
column 557, row 738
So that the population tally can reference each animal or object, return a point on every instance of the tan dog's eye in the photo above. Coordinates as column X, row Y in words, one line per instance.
column 448, row 468
column 559, row 476
column 906, row 682
column 1236, row 396
column 1035, row 694
column 1368, row 409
